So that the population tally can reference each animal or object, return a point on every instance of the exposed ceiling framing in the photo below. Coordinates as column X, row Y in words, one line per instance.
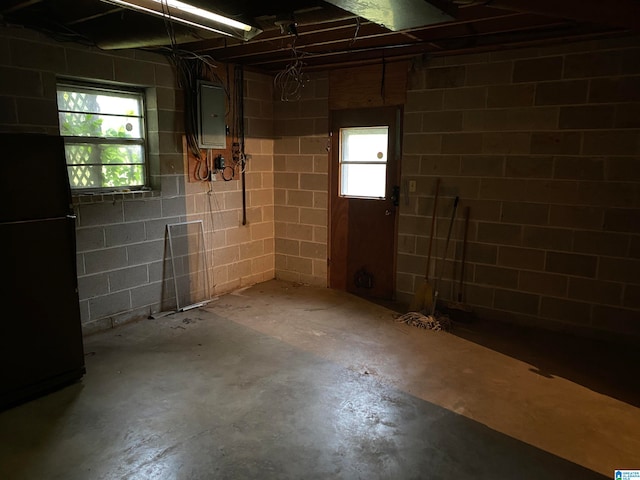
column 328, row 36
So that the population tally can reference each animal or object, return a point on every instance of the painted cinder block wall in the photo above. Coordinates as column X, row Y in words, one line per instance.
column 301, row 166
column 543, row 145
column 121, row 237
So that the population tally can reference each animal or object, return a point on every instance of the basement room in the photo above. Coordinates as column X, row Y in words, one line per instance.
column 320, row 239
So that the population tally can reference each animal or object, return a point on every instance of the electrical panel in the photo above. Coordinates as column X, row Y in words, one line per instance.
column 212, row 130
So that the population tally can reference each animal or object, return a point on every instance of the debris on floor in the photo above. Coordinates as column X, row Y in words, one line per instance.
column 429, row 322
column 164, row 313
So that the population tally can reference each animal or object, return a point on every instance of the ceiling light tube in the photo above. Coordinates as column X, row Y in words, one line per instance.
column 185, row 13
column 185, row 7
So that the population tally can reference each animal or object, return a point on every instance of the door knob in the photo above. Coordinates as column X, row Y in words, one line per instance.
column 395, row 195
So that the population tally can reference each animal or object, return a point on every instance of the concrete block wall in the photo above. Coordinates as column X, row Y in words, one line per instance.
column 543, row 145
column 301, row 166
column 242, row 255
column 121, row 237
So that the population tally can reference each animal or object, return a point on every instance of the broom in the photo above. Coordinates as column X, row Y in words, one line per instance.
column 423, row 298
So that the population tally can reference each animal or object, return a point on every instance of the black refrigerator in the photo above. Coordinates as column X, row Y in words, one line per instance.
column 41, row 346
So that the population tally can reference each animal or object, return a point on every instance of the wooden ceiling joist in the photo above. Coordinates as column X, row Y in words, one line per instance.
column 19, row 6
column 327, row 35
column 614, row 13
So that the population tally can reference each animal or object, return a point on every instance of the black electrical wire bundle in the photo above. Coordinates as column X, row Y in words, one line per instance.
column 189, row 72
column 190, row 68
column 292, row 79
column 238, row 115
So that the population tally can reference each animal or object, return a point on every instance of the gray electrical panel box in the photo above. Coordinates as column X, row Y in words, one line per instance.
column 212, row 130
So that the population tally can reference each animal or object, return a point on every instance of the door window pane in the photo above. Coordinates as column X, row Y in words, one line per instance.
column 363, row 161
column 363, row 180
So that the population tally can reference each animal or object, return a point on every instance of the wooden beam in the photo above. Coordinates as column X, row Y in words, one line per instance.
column 319, row 48
column 612, row 13
column 272, row 37
column 360, row 54
column 316, row 44
column 341, row 34
column 452, row 46
column 467, row 15
column 94, row 16
column 20, row 6
column 515, row 23
column 559, row 33
column 433, row 51
column 311, row 37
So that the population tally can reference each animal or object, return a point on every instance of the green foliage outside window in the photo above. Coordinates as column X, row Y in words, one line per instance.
column 95, row 158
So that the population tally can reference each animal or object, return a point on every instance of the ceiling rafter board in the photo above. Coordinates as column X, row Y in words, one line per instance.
column 19, row 5
column 321, row 39
column 305, row 52
column 321, row 62
column 367, row 30
column 370, row 53
column 513, row 39
column 445, row 33
column 318, row 43
column 489, row 28
column 95, row 16
column 268, row 38
column 65, row 16
column 613, row 13
column 467, row 15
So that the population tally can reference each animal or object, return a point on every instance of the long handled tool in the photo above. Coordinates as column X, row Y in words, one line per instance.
column 444, row 255
column 458, row 304
column 424, row 294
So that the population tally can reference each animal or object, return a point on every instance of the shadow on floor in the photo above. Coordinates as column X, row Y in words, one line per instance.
column 599, row 364
column 209, row 398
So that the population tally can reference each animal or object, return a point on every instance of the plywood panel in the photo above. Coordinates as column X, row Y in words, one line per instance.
column 368, row 86
column 198, row 169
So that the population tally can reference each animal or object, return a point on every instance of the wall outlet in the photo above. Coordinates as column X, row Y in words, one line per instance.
column 412, row 186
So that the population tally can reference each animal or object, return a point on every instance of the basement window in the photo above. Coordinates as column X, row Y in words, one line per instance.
column 363, row 161
column 103, row 130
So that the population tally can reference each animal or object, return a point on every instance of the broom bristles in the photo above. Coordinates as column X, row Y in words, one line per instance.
column 428, row 322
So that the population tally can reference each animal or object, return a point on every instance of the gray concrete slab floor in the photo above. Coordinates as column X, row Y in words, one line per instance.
column 282, row 381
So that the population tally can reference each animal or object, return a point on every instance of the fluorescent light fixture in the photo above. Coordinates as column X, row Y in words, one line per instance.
column 191, row 15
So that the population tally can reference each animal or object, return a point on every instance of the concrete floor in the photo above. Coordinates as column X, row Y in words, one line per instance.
column 283, row 381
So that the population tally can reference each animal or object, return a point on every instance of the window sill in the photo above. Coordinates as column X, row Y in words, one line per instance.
column 101, row 197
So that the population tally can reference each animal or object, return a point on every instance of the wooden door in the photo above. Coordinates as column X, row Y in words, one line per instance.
column 364, row 191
